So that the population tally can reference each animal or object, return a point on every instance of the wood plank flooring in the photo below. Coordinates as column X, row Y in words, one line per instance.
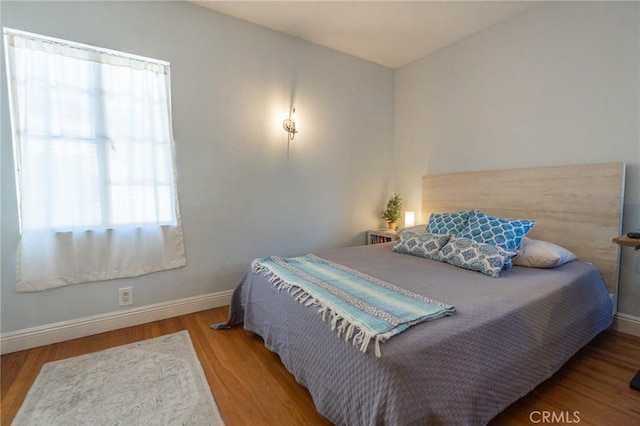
column 251, row 386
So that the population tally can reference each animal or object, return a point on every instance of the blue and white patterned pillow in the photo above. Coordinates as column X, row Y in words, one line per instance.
column 423, row 245
column 469, row 254
column 499, row 231
column 448, row 223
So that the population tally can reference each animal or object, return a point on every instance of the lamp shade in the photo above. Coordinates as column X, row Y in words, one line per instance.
column 409, row 219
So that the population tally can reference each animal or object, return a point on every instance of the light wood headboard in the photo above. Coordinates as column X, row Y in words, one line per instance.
column 577, row 207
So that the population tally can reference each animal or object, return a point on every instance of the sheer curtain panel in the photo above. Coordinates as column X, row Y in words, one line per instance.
column 94, row 160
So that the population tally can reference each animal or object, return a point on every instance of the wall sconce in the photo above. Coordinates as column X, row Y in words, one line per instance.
column 409, row 219
column 289, row 125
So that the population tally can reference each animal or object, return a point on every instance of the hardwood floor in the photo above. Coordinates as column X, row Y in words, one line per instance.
column 251, row 386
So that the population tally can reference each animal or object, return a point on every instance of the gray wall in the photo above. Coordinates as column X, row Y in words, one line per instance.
column 558, row 84
column 244, row 191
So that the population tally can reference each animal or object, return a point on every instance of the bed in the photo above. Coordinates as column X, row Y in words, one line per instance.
column 508, row 334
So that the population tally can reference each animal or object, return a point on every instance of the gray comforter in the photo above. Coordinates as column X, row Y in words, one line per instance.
column 508, row 335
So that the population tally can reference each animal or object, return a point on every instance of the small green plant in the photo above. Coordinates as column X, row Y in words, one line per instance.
column 392, row 212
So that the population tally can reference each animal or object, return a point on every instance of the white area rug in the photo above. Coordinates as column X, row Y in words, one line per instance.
column 153, row 382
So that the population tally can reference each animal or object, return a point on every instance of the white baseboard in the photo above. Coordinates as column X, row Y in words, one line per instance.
column 66, row 330
column 625, row 323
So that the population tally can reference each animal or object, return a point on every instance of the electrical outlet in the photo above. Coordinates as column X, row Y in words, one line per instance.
column 125, row 296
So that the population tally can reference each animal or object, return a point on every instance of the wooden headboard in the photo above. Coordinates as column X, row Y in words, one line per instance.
column 577, row 207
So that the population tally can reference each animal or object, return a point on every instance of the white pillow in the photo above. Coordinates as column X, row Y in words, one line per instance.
column 541, row 254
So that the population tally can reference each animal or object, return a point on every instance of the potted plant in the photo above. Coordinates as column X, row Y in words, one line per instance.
column 392, row 212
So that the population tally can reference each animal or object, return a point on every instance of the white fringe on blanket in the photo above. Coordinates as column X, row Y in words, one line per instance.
column 352, row 330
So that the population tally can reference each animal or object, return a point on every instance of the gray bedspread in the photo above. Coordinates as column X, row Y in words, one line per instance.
column 508, row 335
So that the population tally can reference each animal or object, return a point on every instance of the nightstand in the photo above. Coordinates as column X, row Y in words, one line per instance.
column 623, row 240
column 381, row 236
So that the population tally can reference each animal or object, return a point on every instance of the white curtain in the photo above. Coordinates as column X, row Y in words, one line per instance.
column 94, row 160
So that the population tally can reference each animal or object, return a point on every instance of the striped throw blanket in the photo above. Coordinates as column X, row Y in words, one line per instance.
column 360, row 307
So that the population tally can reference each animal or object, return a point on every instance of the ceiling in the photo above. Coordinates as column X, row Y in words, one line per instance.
column 391, row 33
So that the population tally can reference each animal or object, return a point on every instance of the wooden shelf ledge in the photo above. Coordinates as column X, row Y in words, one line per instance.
column 623, row 240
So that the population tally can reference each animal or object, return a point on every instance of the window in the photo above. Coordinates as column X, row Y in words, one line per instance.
column 93, row 150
